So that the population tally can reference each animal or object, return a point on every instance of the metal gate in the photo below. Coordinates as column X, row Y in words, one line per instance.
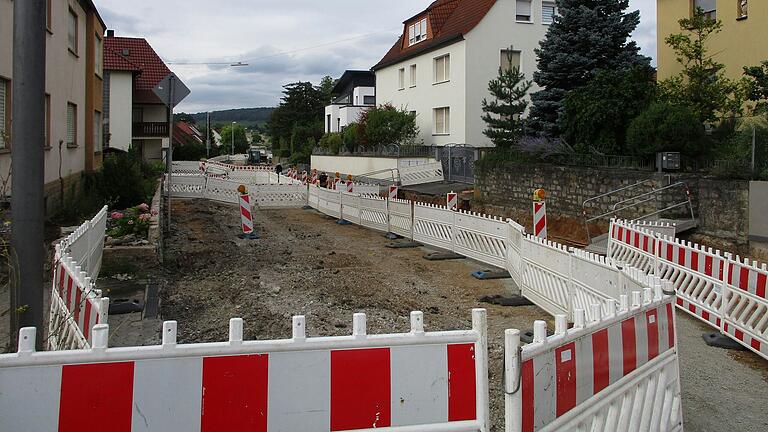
column 458, row 162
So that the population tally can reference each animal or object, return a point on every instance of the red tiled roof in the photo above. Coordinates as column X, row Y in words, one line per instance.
column 138, row 53
column 449, row 20
column 183, row 134
column 114, row 61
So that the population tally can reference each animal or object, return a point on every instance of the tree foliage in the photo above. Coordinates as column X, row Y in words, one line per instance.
column 757, row 87
column 598, row 114
column 326, row 89
column 585, row 37
column 241, row 142
column 299, row 117
column 386, row 125
column 665, row 127
column 502, row 115
column 701, row 85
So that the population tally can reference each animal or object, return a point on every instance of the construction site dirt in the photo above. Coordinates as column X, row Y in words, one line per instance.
column 306, row 264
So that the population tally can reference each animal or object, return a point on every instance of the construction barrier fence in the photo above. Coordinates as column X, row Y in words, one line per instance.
column 725, row 292
column 426, row 381
column 616, row 372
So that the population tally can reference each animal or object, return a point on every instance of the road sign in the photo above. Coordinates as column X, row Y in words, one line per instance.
column 163, row 90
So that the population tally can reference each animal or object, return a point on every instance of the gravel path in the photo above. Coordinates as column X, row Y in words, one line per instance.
column 306, row 264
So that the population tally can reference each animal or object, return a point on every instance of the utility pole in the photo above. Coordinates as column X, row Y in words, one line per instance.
column 232, row 133
column 169, row 155
column 208, row 135
column 27, row 166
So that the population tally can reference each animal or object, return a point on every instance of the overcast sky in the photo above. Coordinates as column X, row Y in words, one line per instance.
column 282, row 40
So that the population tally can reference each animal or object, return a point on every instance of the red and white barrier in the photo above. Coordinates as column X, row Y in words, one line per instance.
column 393, row 192
column 618, row 373
column 726, row 293
column 540, row 219
column 350, row 187
column 434, row 381
column 246, row 213
column 452, row 201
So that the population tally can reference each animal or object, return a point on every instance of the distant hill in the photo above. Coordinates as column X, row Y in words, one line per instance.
column 248, row 117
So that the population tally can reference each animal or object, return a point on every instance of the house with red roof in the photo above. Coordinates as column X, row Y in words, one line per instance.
column 440, row 66
column 186, row 133
column 136, row 117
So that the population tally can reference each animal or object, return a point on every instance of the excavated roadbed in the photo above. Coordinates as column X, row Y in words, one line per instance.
column 306, row 264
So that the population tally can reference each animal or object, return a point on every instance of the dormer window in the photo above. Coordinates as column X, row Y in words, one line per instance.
column 417, row 32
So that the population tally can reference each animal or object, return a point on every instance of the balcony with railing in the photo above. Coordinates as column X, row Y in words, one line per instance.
column 150, row 129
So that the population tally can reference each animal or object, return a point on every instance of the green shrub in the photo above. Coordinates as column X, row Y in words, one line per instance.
column 332, row 141
column 126, row 180
column 387, row 125
column 666, row 127
column 350, row 136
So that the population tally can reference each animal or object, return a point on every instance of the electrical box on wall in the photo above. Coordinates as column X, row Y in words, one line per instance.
column 668, row 161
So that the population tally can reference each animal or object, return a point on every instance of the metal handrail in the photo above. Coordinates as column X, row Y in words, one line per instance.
column 652, row 195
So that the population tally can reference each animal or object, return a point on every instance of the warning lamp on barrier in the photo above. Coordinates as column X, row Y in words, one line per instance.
column 539, row 195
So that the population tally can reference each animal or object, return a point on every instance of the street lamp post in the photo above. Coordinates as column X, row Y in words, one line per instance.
column 232, row 133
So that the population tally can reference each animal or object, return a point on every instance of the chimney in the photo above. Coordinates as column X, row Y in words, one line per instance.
column 110, row 33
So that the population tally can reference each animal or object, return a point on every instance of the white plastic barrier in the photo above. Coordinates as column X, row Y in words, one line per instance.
column 616, row 373
column 482, row 237
column 728, row 294
column 416, row 381
column 188, row 186
column 221, row 190
column 400, row 217
column 434, row 225
column 329, row 202
column 76, row 306
column 350, row 207
column 420, row 174
column 279, row 196
column 373, row 213
column 514, row 264
column 86, row 244
column 189, row 168
column 546, row 274
column 366, row 189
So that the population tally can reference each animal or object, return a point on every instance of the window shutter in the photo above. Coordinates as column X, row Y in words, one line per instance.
column 70, row 124
column 3, row 85
column 524, row 7
column 547, row 13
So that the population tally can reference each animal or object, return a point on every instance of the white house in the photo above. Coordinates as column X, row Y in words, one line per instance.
column 74, row 33
column 136, row 117
column 356, row 92
column 440, row 66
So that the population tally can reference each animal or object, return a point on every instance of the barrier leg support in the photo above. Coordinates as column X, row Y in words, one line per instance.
column 491, row 274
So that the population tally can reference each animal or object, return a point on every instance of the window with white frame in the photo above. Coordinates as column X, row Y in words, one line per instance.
column 443, row 68
column 4, row 111
column 417, row 32
column 442, row 121
column 413, row 75
column 99, row 55
column 72, row 31
column 97, row 132
column 401, row 79
column 708, row 6
column 71, row 125
column 509, row 59
column 523, row 12
column 547, row 12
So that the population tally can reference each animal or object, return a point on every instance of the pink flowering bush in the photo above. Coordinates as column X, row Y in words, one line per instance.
column 134, row 220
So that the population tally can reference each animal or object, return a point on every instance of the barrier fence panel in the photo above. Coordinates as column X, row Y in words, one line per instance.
column 366, row 189
column 618, row 373
column 546, row 274
column 86, row 244
column 484, row 238
column 433, row 225
column 419, row 174
column 279, row 196
column 222, row 190
column 76, row 306
column 514, row 263
column 328, row 202
column 727, row 294
column 595, row 280
column 189, row 168
column 373, row 212
column 401, row 217
column 188, row 187
column 425, row 381
column 350, row 207
column 314, row 195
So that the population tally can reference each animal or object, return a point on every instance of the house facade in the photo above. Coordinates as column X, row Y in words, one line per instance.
column 440, row 66
column 135, row 117
column 73, row 101
column 740, row 43
column 356, row 93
